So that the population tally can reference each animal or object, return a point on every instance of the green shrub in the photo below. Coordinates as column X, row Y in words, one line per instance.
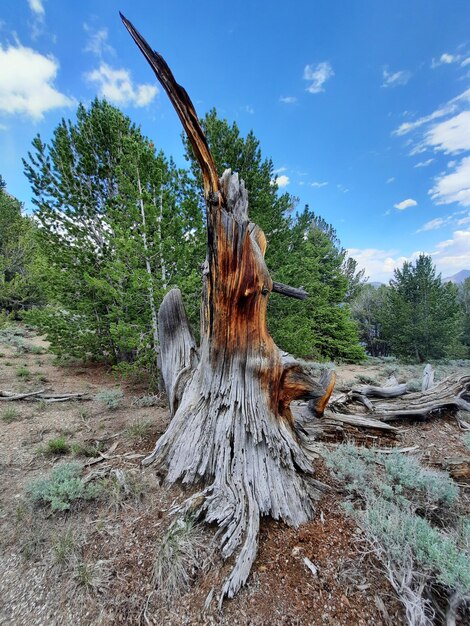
column 139, row 429
column 110, row 398
column 87, row 449
column 398, row 501
column 23, row 372
column 62, row 487
column 9, row 414
column 64, row 546
column 58, row 445
column 437, row 487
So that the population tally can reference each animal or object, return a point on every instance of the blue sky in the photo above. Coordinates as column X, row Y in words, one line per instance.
column 363, row 105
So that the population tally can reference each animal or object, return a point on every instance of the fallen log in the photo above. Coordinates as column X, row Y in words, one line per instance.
column 447, row 396
column 372, row 391
column 40, row 395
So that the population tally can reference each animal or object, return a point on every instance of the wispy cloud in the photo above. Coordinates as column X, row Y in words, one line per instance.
column 288, row 99
column 36, row 7
column 249, row 109
column 446, row 109
column 318, row 184
column 424, row 163
column 317, row 75
column 97, row 42
column 39, row 15
column 448, row 59
column 27, row 82
column 434, row 224
column 405, row 204
column 116, row 85
column 390, row 180
column 393, row 79
column 445, row 130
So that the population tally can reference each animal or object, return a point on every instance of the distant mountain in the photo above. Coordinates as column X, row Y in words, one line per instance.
column 457, row 278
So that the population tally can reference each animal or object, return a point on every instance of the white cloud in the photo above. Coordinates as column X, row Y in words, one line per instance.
column 97, row 42
column 379, row 264
column 317, row 75
column 282, row 181
column 452, row 135
column 390, row 180
column 36, row 7
column 288, row 99
column 405, row 204
column 446, row 109
column 317, row 184
column 27, row 82
column 424, row 163
column 249, row 109
column 434, row 224
column 453, row 187
column 116, row 86
column 39, row 15
column 395, row 78
column 445, row 59
column 450, row 256
column 453, row 254
column 449, row 136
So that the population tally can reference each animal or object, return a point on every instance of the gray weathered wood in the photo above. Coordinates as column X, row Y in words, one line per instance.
column 291, row 292
column 428, row 377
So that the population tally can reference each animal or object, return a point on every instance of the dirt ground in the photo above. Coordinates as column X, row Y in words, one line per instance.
column 92, row 565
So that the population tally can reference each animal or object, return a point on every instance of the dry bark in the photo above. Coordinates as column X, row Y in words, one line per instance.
column 232, row 428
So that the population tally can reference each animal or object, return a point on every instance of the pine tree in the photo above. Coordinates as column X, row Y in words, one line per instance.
column 319, row 327
column 422, row 317
column 367, row 309
column 112, row 227
column 19, row 260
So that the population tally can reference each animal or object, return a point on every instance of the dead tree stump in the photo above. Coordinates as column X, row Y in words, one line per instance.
column 232, row 429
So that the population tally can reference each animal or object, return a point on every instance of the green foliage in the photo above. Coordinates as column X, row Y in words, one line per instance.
column 464, row 299
column 421, row 317
column 110, row 398
column 9, row 414
column 320, row 327
column 23, row 372
column 139, row 429
column 57, row 446
column 367, row 309
column 401, row 500
column 64, row 546
column 118, row 225
column 19, row 257
column 86, row 449
column 62, row 488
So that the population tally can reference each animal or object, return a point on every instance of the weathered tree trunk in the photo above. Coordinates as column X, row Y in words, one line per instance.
column 232, row 428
